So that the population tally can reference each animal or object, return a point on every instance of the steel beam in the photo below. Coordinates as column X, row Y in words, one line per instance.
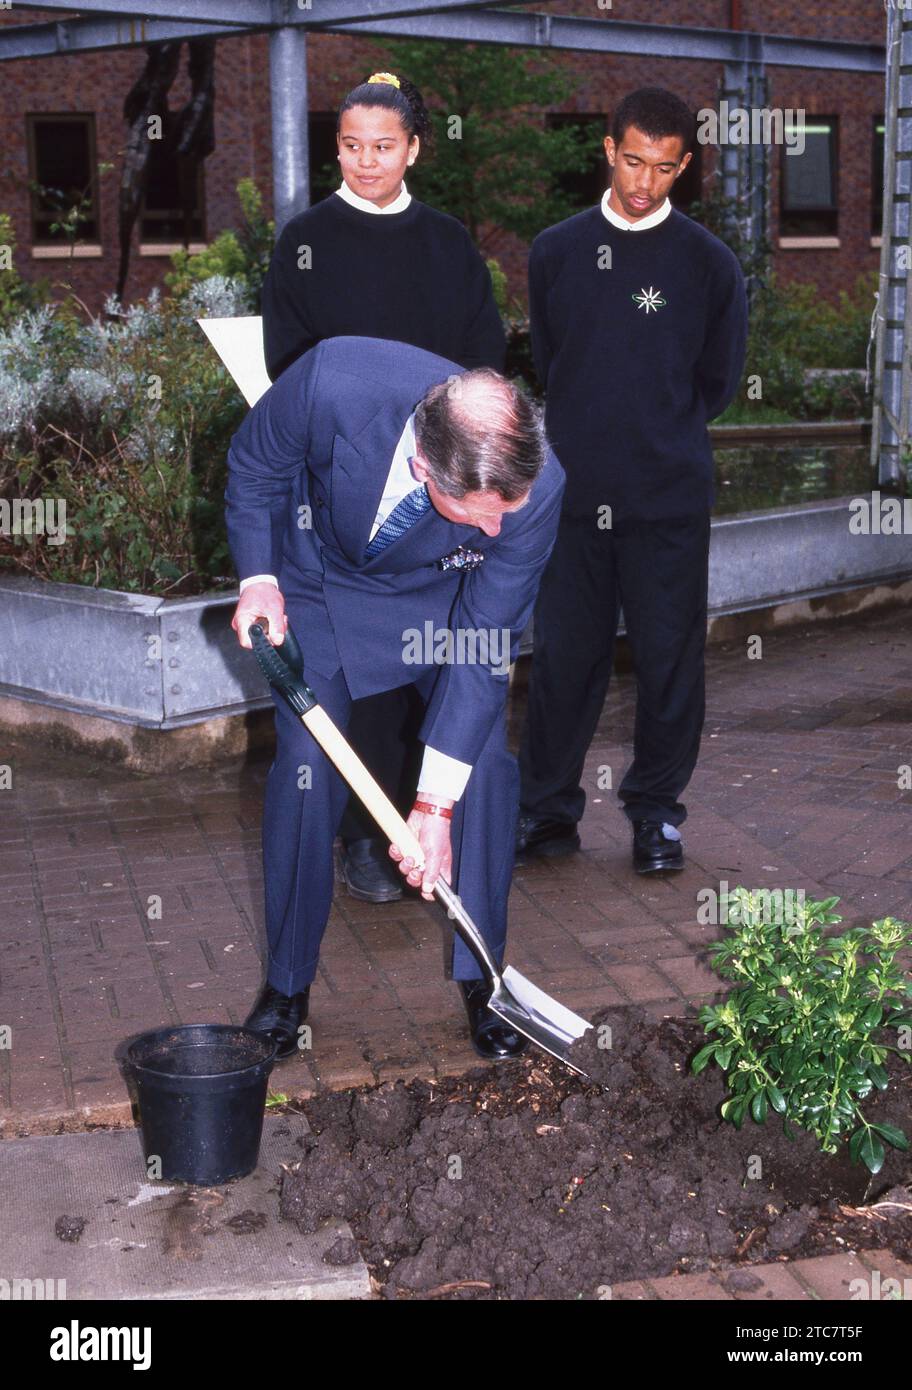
column 615, row 36
column 197, row 11
column 259, row 13
column 95, row 35
column 463, row 25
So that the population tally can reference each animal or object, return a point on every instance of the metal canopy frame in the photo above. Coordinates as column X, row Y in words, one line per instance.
column 744, row 55
column 113, row 25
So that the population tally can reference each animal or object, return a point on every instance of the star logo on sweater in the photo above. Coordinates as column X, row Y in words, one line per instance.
column 649, row 299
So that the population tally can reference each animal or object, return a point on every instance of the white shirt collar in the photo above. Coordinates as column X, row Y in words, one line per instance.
column 644, row 223
column 399, row 204
column 400, row 479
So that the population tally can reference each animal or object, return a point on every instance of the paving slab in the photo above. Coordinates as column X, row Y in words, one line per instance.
column 158, row 1240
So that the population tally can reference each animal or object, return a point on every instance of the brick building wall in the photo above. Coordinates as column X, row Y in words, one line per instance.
column 99, row 82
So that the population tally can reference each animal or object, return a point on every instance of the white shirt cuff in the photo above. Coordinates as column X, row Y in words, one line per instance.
column 442, row 775
column 257, row 579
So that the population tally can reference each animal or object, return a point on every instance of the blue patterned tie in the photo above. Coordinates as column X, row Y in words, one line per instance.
column 403, row 515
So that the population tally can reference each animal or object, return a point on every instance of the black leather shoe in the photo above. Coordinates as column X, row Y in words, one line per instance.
column 655, row 848
column 492, row 1038
column 370, row 875
column 279, row 1016
column 539, row 837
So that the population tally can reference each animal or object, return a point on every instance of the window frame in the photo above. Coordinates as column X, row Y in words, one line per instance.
column 38, row 217
column 827, row 214
column 146, row 215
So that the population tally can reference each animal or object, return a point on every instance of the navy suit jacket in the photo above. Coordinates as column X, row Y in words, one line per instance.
column 306, row 472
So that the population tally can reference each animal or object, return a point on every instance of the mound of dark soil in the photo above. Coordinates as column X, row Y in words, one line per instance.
column 525, row 1181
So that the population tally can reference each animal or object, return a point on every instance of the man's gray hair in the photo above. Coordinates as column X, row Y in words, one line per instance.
column 481, row 433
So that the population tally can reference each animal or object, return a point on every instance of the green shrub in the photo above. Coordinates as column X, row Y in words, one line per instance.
column 16, row 294
column 241, row 256
column 793, row 330
column 805, row 1035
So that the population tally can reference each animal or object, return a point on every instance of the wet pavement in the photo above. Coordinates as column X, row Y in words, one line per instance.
column 130, row 902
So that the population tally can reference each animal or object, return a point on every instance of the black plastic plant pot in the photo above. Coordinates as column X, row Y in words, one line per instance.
column 201, row 1092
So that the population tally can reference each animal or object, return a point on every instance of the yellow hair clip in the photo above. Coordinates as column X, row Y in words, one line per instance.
column 385, row 77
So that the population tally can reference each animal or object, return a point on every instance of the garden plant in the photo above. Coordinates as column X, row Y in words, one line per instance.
column 815, row 1018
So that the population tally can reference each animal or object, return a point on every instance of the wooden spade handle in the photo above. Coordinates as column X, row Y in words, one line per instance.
column 361, row 782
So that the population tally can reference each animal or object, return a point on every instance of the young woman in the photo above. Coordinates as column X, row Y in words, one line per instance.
column 372, row 261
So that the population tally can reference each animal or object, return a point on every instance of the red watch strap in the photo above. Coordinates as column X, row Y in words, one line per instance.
column 430, row 809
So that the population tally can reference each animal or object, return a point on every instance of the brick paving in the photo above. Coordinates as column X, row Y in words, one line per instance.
column 825, row 1278
column 131, row 902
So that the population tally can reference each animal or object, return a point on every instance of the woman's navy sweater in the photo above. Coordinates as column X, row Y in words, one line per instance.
column 413, row 276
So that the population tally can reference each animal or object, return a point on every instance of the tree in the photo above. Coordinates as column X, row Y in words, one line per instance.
column 494, row 161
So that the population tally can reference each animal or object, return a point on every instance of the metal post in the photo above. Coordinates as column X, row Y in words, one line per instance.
column 744, row 167
column 288, row 93
column 893, row 364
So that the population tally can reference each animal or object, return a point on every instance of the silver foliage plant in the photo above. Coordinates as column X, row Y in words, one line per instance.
column 78, row 376
column 28, row 386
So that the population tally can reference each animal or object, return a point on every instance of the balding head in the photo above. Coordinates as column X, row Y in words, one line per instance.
column 480, row 433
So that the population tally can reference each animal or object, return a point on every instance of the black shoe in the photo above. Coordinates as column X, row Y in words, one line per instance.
column 370, row 875
column 539, row 837
column 492, row 1038
column 278, row 1016
column 654, row 848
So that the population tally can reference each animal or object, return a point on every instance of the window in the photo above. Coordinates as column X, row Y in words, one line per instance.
column 807, row 200
column 173, row 182
column 877, row 178
column 63, row 175
column 583, row 187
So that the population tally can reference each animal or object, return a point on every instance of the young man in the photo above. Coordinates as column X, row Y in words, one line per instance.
column 638, row 319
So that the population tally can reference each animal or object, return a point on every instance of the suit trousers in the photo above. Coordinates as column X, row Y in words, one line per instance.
column 657, row 571
column 304, row 803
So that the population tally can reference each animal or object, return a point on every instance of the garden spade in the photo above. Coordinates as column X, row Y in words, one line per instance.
column 522, row 1005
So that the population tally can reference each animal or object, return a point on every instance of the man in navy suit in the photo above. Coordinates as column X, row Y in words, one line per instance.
column 398, row 511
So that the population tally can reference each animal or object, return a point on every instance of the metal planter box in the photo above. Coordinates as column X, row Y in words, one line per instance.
column 168, row 663
column 157, row 663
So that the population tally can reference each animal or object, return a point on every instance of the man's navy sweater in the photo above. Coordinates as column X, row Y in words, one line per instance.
column 635, row 359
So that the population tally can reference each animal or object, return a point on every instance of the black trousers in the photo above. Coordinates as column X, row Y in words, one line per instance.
column 657, row 571
column 384, row 733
